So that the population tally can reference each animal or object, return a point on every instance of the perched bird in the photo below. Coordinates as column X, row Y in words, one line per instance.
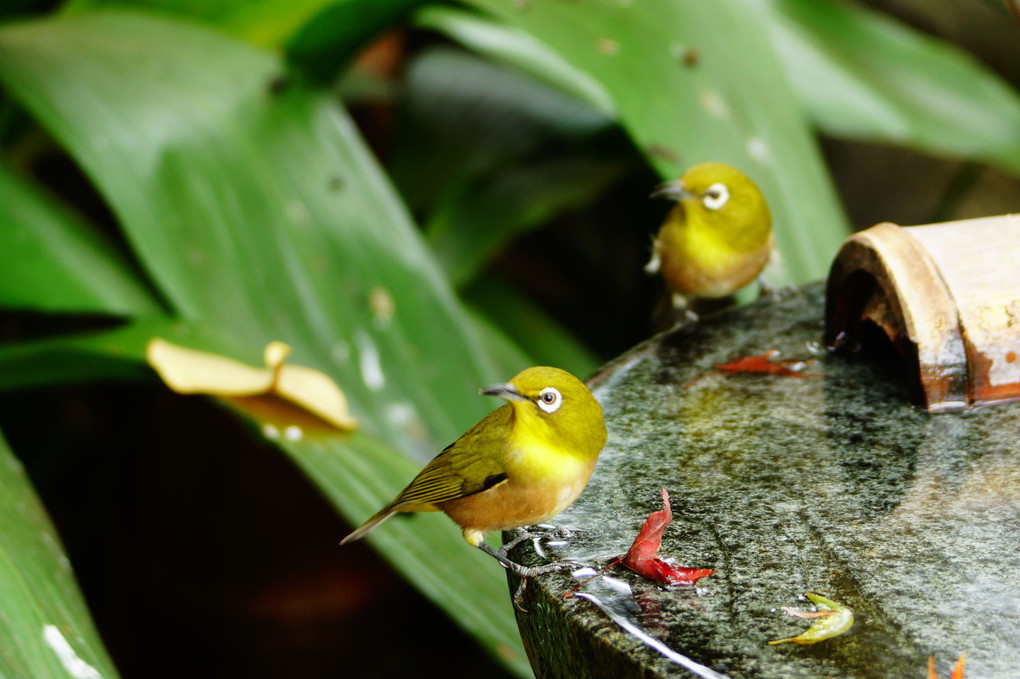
column 522, row 464
column 717, row 238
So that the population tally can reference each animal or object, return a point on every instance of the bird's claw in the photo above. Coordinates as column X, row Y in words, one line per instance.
column 557, row 533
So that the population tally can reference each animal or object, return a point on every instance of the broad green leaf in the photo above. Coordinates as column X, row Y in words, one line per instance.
column 461, row 117
column 512, row 359
column 471, row 226
column 290, row 228
column 52, row 261
column 489, row 153
column 261, row 216
column 539, row 335
column 863, row 75
column 268, row 23
column 45, row 628
column 320, row 35
column 700, row 81
column 117, row 354
column 515, row 47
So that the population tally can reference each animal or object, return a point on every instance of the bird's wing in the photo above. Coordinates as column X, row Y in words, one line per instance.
column 471, row 464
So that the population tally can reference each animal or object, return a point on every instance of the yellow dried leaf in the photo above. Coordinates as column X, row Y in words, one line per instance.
column 189, row 371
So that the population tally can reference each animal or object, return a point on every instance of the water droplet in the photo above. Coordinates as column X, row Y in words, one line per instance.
column 270, row 431
column 371, row 369
column 400, row 414
column 293, row 433
column 758, row 149
column 814, row 347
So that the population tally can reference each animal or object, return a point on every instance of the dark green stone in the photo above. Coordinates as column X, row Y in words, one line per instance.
column 836, row 484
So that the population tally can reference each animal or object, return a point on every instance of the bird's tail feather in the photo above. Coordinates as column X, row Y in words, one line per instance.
column 367, row 527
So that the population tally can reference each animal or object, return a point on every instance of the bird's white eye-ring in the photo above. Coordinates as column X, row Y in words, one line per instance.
column 549, row 399
column 715, row 196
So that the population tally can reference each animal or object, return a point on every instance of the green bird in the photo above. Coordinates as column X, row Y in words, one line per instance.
column 717, row 238
column 520, row 465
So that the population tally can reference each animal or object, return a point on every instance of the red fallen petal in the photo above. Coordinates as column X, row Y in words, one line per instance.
column 641, row 557
column 682, row 575
column 646, row 545
column 762, row 364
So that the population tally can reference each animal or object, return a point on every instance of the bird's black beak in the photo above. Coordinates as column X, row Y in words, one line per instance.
column 506, row 390
column 672, row 190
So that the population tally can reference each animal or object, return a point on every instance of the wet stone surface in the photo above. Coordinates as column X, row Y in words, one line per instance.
column 833, row 484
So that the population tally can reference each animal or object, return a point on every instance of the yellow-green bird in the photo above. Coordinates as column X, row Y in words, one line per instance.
column 717, row 238
column 522, row 464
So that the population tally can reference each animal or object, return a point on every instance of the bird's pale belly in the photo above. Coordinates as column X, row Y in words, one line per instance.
column 508, row 505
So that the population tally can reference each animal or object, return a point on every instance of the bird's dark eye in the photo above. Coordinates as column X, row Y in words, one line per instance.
column 715, row 196
column 549, row 399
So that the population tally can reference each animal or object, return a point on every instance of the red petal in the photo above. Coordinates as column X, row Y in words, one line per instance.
column 641, row 557
column 646, row 545
column 761, row 364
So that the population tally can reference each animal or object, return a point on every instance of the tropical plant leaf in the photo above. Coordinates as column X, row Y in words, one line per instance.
column 538, row 335
column 514, row 47
column 269, row 23
column 863, row 75
column 472, row 225
column 462, row 117
column 52, row 261
column 319, row 36
column 260, row 215
column 700, row 81
column 46, row 630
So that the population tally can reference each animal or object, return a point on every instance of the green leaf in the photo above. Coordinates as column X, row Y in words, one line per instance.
column 45, row 628
column 117, row 354
column 52, row 261
column 260, row 215
column 699, row 81
column 514, row 47
column 462, row 117
column 863, row 75
column 269, row 23
column 474, row 223
column 538, row 334
column 489, row 153
column 263, row 215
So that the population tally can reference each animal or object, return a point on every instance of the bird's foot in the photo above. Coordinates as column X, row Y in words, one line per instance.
column 527, row 571
column 527, row 533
